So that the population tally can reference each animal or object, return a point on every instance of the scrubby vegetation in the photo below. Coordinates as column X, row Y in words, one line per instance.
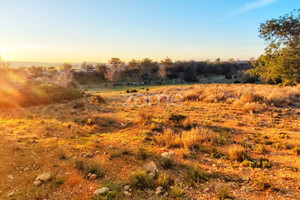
column 205, row 146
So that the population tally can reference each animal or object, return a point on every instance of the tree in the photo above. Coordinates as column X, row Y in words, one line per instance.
column 116, row 62
column 133, row 64
column 281, row 60
column 113, row 74
column 4, row 64
column 148, row 67
column 217, row 61
column 101, row 69
column 83, row 65
column 66, row 67
column 230, row 60
column 166, row 64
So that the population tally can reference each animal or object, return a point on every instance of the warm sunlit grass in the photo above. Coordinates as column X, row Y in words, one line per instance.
column 215, row 135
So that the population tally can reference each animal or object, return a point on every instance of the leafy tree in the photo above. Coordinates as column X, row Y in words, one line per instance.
column 281, row 60
column 133, row 64
column 112, row 74
column 166, row 64
column 217, row 61
column 66, row 67
column 230, row 60
column 116, row 62
column 147, row 68
column 83, row 65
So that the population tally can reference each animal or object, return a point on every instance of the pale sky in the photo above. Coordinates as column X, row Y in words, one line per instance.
column 96, row 30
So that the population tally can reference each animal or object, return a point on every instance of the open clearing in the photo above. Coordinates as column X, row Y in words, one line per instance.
column 220, row 141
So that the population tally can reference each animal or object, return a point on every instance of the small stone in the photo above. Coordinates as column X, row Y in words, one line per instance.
column 171, row 153
column 37, row 182
column 10, row 177
column 126, row 187
column 44, row 177
column 151, row 175
column 165, row 155
column 10, row 194
column 150, row 167
column 157, row 192
column 101, row 191
column 93, row 177
column 126, row 193
column 25, row 169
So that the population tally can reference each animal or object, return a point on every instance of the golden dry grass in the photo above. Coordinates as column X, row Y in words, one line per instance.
column 51, row 138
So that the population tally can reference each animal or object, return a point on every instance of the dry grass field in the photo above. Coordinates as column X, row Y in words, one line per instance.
column 208, row 141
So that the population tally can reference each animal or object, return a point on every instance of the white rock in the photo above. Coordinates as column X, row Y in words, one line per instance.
column 44, row 177
column 10, row 194
column 168, row 154
column 101, row 191
column 25, row 169
column 150, row 167
column 37, row 182
column 126, row 187
column 10, row 177
column 171, row 153
column 165, row 155
column 126, row 193
column 93, row 177
column 151, row 175
column 158, row 190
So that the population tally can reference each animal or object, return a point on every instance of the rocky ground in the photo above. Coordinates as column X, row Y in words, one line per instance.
column 211, row 146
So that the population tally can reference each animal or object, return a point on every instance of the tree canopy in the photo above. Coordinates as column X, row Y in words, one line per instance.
column 281, row 60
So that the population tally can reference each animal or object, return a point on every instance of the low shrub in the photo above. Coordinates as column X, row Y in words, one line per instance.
column 115, row 192
column 141, row 180
column 261, row 163
column 175, row 119
column 195, row 174
column 237, row 153
column 37, row 93
column 223, row 193
column 97, row 99
column 169, row 139
column 165, row 181
column 191, row 96
column 262, row 183
column 88, row 167
column 166, row 163
column 177, row 191
column 143, row 153
column 296, row 150
column 144, row 117
column 260, row 149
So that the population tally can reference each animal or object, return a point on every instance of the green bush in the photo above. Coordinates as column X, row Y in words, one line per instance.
column 141, row 180
column 89, row 167
column 165, row 181
column 177, row 191
column 223, row 193
column 166, row 163
column 195, row 174
column 143, row 153
column 115, row 192
column 36, row 93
